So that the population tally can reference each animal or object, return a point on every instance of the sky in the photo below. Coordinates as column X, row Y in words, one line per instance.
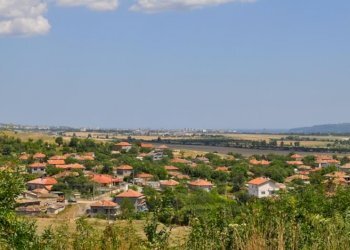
column 175, row 63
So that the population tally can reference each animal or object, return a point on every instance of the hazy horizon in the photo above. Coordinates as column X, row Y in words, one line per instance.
column 155, row 64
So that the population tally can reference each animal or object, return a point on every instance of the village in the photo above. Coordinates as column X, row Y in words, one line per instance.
column 136, row 171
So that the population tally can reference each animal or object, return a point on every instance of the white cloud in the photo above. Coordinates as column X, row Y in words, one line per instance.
column 23, row 17
column 97, row 5
column 161, row 5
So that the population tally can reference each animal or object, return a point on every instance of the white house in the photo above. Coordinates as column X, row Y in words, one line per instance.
column 262, row 187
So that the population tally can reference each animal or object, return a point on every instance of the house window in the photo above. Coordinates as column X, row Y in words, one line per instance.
column 263, row 192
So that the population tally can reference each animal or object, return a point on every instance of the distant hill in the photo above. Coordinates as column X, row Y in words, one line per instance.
column 342, row 128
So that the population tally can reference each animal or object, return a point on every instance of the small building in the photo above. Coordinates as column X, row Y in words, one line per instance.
column 262, row 187
column 295, row 163
column 37, row 168
column 24, row 157
column 105, row 208
column 55, row 208
column 123, row 170
column 105, row 180
column 323, row 163
column 222, row 169
column 303, row 178
column 125, row 146
column 339, row 178
column 201, row 184
column 146, row 146
column 39, row 156
column 144, row 177
column 135, row 198
column 42, row 183
column 297, row 157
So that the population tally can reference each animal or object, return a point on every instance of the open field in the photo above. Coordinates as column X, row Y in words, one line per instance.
column 25, row 136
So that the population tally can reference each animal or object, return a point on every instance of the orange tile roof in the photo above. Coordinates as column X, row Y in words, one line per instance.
column 144, row 175
column 297, row 177
column 104, row 179
column 125, row 167
column 259, row 181
column 24, row 157
column 44, row 181
column 104, row 203
column 146, row 145
column 296, row 156
column 169, row 183
column 163, row 147
column 295, row 163
column 123, row 144
column 262, row 162
column 200, row 183
column 58, row 157
column 71, row 166
column 39, row 156
column 171, row 168
column 130, row 194
column 179, row 160
column 56, row 162
column 37, row 165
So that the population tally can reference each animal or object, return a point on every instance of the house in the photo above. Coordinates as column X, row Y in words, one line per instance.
column 297, row 157
column 323, row 163
column 37, row 168
column 262, row 187
column 339, row 178
column 255, row 162
column 105, row 180
column 168, row 184
column 144, row 177
column 125, row 146
column 69, row 167
column 135, row 198
column 304, row 178
column 123, row 170
column 39, row 156
column 42, row 183
column 201, row 184
column 104, row 208
column 24, row 157
column 163, row 147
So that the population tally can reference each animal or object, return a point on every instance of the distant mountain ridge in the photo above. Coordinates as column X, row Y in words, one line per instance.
column 341, row 128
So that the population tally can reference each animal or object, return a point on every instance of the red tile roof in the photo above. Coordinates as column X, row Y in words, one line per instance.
column 37, row 165
column 125, row 167
column 262, row 162
column 179, row 160
column 171, row 168
column 39, row 156
column 105, row 179
column 43, row 181
column 56, row 162
column 296, row 156
column 58, row 157
column 169, row 183
column 201, row 183
column 146, row 145
column 144, row 175
column 71, row 166
column 259, row 181
column 130, row 194
column 222, row 169
column 295, row 163
column 104, row 203
column 163, row 147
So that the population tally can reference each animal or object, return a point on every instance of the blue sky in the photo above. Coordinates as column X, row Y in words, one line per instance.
column 262, row 64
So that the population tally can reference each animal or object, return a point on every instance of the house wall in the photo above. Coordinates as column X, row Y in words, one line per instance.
column 264, row 190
